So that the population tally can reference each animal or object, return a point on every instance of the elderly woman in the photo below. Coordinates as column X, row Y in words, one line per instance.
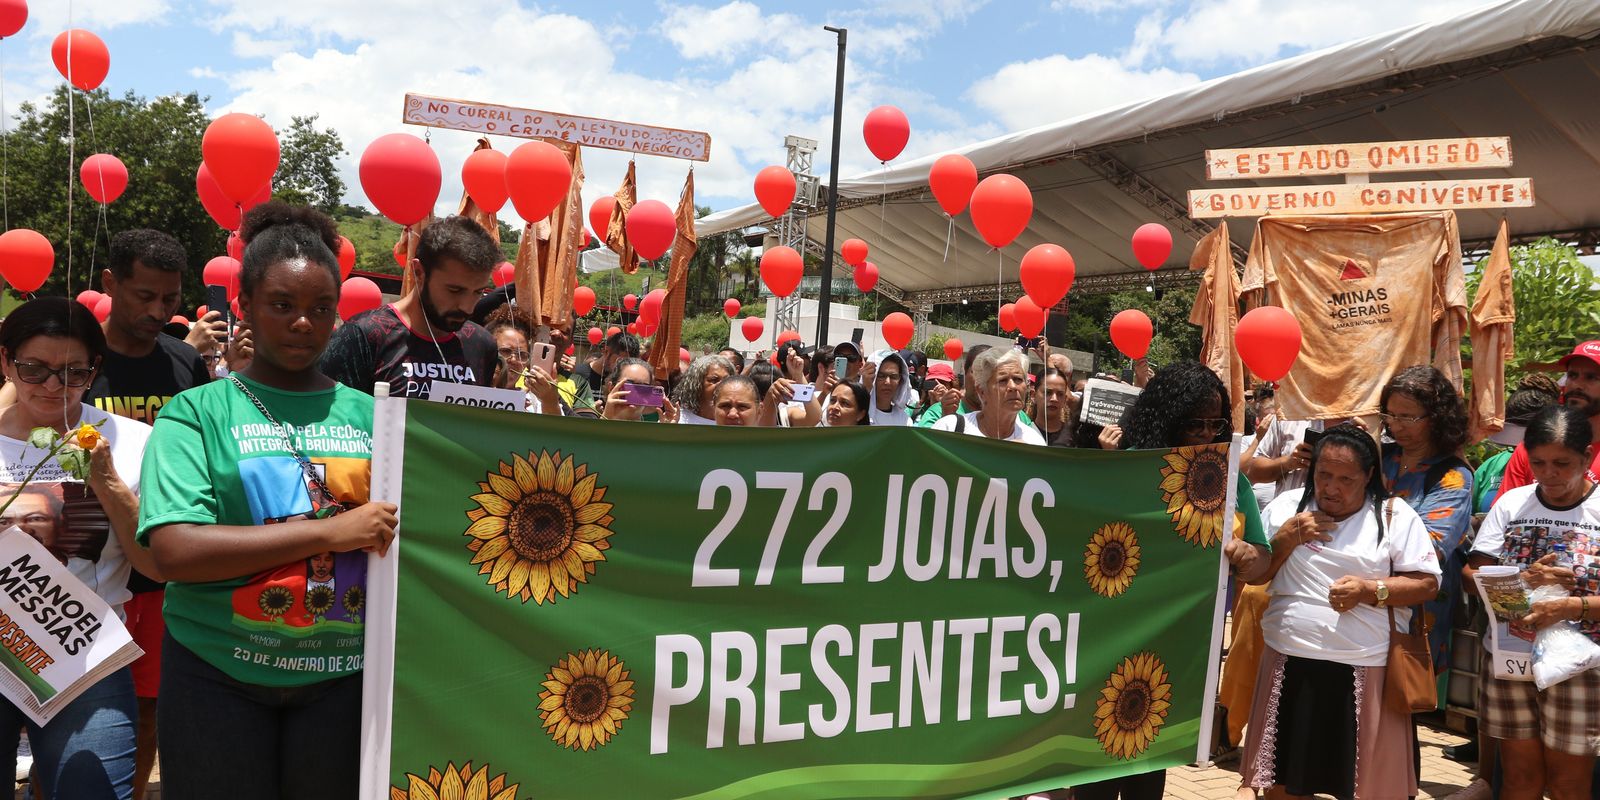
column 1424, row 414
column 1547, row 738
column 1001, row 378
column 888, row 378
column 735, row 401
column 1344, row 556
column 50, row 350
column 693, row 392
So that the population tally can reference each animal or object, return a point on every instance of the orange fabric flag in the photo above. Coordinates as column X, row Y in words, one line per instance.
column 1216, row 312
column 1373, row 293
column 664, row 352
column 405, row 249
column 1494, row 313
column 617, row 232
column 562, row 238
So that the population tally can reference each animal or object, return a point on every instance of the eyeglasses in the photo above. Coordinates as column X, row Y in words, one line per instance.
column 34, row 372
column 1210, row 427
column 1393, row 418
column 891, row 377
column 851, row 359
column 508, row 352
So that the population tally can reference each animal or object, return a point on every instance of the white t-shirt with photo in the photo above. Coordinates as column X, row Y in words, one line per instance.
column 1020, row 431
column 1299, row 620
column 1520, row 529
column 93, row 556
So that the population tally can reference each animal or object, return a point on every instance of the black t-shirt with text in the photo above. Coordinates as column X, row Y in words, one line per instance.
column 137, row 388
column 378, row 346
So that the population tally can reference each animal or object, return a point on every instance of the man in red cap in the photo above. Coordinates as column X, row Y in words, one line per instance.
column 1582, row 392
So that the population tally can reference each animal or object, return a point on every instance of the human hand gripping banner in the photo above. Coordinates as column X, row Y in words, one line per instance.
column 579, row 609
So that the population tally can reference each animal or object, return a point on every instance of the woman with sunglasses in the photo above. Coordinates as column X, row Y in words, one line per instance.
column 254, row 481
column 50, row 349
column 1426, row 417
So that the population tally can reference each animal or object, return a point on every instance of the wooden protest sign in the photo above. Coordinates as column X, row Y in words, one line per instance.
column 1304, row 160
column 528, row 123
column 1361, row 198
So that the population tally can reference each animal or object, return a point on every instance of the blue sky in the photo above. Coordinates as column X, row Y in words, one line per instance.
column 746, row 72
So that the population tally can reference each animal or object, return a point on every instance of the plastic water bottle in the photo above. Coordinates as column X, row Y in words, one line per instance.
column 1563, row 560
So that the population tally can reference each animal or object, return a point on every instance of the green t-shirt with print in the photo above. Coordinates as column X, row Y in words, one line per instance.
column 215, row 459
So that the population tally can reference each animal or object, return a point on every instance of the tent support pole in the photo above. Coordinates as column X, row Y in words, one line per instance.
column 825, row 296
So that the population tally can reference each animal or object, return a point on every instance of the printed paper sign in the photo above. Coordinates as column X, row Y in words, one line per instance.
column 1104, row 401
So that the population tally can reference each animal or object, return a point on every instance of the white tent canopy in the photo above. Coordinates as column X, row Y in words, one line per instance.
column 1527, row 69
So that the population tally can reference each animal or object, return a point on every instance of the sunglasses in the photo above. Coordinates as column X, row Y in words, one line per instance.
column 34, row 372
column 1210, row 427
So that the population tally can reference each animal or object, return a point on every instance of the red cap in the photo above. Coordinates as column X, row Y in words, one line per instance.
column 1589, row 350
column 941, row 372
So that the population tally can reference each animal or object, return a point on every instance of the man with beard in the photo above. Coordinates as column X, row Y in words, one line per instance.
column 427, row 335
column 1582, row 392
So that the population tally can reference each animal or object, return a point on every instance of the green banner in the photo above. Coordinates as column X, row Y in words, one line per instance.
column 580, row 609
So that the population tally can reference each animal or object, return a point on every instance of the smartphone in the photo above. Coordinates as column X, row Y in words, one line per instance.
column 841, row 367
column 803, row 392
column 1312, row 437
column 645, row 394
column 217, row 300
column 855, row 336
column 544, row 357
column 1025, row 344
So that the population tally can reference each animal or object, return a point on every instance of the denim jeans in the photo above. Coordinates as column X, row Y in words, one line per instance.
column 223, row 738
column 87, row 749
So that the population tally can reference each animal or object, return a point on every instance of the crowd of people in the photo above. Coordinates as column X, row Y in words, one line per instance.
column 230, row 536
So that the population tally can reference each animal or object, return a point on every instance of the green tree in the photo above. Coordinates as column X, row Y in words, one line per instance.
column 712, row 264
column 307, row 170
column 1558, row 304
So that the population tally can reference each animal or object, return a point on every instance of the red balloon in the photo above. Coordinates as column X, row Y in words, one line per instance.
column 775, row 190
column 400, row 174
column 583, row 301
column 751, row 328
column 484, row 176
column 1131, row 331
column 953, row 348
column 612, row 331
column 952, row 180
column 104, row 177
column 178, row 319
column 886, row 130
column 225, row 212
column 26, row 258
column 358, row 295
column 630, row 301
column 538, row 176
column 650, row 307
column 504, row 273
column 235, row 247
column 730, row 307
column 781, row 268
column 1047, row 273
column 1001, row 208
column 234, row 304
column 651, row 228
column 102, row 308
column 200, row 313
column 347, row 257
column 866, row 277
column 600, row 215
column 1268, row 339
column 1030, row 317
column 854, row 252
column 88, row 297
column 787, row 336
column 683, row 354
column 596, row 336
column 87, row 64
column 13, row 15
column 897, row 330
column 1008, row 317
column 1152, row 243
column 242, row 154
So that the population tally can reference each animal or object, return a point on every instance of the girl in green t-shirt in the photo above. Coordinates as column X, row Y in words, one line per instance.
column 255, row 510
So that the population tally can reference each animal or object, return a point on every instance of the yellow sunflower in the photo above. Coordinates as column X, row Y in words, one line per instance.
column 1112, row 559
column 1194, row 485
column 1133, row 706
column 275, row 601
column 319, row 601
column 457, row 784
column 585, row 699
column 539, row 527
column 355, row 599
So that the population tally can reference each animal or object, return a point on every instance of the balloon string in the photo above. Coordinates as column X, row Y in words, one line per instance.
column 949, row 232
column 883, row 198
column 72, row 163
column 999, row 280
column 5, row 151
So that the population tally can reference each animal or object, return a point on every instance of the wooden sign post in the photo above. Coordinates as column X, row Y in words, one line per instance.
column 529, row 123
column 1356, row 162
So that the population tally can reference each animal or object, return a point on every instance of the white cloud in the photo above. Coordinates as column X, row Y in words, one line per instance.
column 1030, row 93
column 51, row 17
column 728, row 30
column 1255, row 31
column 1102, row 6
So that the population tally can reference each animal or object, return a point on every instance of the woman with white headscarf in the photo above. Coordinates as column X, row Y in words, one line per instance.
column 886, row 377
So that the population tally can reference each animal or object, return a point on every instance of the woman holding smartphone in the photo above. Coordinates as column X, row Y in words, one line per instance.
column 632, row 381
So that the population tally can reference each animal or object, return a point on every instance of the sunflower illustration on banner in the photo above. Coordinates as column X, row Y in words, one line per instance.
column 1133, row 706
column 539, row 527
column 585, row 699
column 1194, row 485
column 1111, row 559
column 458, row 784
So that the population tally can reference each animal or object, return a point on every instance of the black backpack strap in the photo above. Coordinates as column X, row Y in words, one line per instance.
column 1437, row 472
column 961, row 423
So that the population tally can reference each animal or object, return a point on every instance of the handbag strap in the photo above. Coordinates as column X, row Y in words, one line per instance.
column 1416, row 610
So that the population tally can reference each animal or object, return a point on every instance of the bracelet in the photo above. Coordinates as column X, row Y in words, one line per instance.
column 1583, row 607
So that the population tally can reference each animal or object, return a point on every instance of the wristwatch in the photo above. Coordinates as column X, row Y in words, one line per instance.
column 1383, row 594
